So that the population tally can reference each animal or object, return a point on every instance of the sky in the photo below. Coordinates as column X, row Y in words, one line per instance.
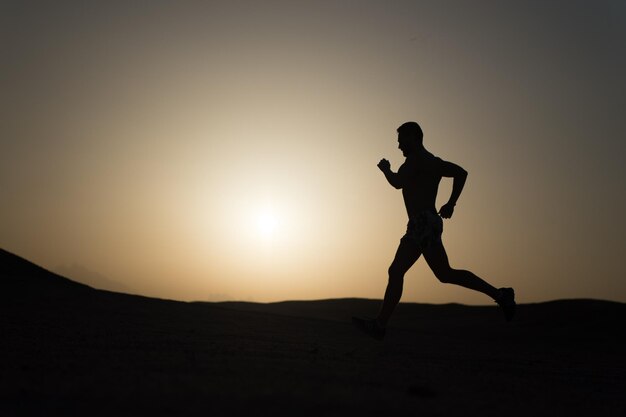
column 215, row 151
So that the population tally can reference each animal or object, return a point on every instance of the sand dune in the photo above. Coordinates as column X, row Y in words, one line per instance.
column 67, row 349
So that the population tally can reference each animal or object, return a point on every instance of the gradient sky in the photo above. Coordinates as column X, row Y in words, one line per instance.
column 228, row 150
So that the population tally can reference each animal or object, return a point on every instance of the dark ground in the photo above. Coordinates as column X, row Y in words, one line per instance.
column 66, row 349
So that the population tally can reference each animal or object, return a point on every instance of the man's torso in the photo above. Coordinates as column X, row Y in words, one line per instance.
column 422, row 173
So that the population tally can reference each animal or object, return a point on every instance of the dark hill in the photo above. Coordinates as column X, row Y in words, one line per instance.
column 21, row 278
column 67, row 349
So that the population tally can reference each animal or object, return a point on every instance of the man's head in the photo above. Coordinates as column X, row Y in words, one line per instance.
column 410, row 137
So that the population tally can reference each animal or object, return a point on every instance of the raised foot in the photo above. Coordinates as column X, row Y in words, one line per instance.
column 506, row 301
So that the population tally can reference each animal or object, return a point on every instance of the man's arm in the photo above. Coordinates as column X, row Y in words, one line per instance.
column 459, row 176
column 393, row 178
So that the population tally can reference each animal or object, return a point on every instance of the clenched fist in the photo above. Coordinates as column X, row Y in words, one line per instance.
column 384, row 165
column 446, row 210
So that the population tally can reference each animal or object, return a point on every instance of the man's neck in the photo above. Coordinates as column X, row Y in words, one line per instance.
column 417, row 152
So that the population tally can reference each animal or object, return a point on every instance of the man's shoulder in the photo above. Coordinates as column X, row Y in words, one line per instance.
column 422, row 162
column 427, row 159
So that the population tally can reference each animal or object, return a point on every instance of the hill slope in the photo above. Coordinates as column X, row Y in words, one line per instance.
column 67, row 349
column 19, row 278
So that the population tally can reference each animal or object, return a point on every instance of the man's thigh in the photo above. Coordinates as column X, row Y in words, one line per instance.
column 407, row 254
column 437, row 258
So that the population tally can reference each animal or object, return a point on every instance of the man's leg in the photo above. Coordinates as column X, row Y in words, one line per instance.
column 437, row 260
column 408, row 252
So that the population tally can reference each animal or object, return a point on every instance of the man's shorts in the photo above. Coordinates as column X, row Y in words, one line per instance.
column 424, row 229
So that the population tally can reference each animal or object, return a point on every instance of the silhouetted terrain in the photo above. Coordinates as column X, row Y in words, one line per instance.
column 67, row 349
column 79, row 273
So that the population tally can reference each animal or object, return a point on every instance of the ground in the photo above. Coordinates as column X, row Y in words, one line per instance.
column 66, row 349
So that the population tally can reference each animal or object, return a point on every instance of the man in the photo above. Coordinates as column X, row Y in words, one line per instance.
column 419, row 179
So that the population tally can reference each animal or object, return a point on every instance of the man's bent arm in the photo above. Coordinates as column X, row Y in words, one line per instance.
column 459, row 175
column 457, row 187
column 393, row 178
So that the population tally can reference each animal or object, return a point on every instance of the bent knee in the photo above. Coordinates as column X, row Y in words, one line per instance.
column 445, row 275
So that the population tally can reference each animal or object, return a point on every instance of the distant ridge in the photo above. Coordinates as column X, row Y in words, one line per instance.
column 574, row 312
column 19, row 277
column 22, row 278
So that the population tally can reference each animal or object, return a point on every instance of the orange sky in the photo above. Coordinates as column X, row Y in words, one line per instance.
column 142, row 146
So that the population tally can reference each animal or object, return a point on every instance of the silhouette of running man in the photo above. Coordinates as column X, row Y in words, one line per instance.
column 419, row 178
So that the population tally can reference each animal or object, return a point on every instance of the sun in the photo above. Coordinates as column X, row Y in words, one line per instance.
column 267, row 223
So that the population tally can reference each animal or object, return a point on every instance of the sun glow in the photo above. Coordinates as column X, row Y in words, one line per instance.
column 267, row 223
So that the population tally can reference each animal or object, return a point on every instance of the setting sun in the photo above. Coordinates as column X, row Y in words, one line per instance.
column 267, row 223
